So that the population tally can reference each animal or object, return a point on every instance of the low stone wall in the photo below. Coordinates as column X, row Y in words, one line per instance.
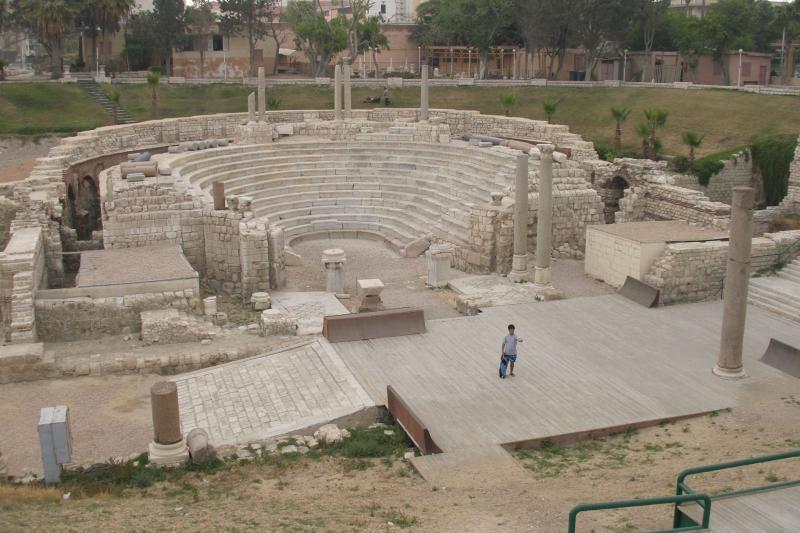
column 693, row 271
column 69, row 314
column 22, row 272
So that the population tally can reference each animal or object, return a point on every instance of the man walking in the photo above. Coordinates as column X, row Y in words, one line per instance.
column 508, row 352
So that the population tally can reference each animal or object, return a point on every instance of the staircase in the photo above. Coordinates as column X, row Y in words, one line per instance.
column 780, row 293
column 87, row 83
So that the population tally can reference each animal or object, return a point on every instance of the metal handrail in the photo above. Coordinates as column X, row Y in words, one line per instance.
column 780, row 258
column 683, row 488
column 704, row 499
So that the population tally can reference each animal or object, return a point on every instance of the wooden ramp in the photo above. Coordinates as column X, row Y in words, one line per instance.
column 769, row 511
column 587, row 366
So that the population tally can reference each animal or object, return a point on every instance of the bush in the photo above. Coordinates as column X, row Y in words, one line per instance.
column 370, row 443
column 404, row 75
column 705, row 168
column 608, row 153
column 772, row 156
column 680, row 163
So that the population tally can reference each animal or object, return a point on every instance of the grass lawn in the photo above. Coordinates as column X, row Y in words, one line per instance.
column 728, row 119
column 39, row 108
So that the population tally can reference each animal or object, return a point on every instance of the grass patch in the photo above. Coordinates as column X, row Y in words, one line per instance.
column 728, row 119
column 400, row 519
column 37, row 108
column 13, row 496
column 371, row 443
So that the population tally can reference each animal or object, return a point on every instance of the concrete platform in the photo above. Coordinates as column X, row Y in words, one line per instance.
column 122, row 266
column 776, row 510
column 587, row 366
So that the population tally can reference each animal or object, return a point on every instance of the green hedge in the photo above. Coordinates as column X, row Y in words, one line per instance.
column 773, row 155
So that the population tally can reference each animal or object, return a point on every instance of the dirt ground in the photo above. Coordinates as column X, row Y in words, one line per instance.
column 17, row 156
column 336, row 494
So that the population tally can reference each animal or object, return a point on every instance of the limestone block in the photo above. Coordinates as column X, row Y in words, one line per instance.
column 439, row 257
column 134, row 177
column 417, row 247
column 200, row 448
column 261, row 301
column 368, row 293
column 277, row 322
column 284, row 129
column 210, row 306
column 55, row 441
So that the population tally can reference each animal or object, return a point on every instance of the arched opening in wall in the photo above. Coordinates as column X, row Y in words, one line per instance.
column 69, row 207
column 612, row 193
column 87, row 210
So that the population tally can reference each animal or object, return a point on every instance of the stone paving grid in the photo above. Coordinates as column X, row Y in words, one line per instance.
column 269, row 395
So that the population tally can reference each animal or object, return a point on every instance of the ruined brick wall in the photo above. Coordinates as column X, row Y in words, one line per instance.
column 693, row 271
column 82, row 317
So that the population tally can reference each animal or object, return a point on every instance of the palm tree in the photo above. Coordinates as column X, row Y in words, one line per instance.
column 371, row 38
column 52, row 20
column 656, row 118
column 550, row 105
column 3, row 65
column 643, row 131
column 508, row 102
column 619, row 113
column 113, row 95
column 101, row 16
column 153, row 79
column 692, row 139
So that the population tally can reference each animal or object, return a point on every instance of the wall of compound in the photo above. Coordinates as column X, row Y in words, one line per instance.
column 61, row 318
column 693, row 271
column 670, row 202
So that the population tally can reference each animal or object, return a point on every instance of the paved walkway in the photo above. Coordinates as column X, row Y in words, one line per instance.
column 586, row 364
column 270, row 395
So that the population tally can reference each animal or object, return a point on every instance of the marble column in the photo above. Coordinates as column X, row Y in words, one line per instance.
column 262, row 96
column 337, row 92
column 544, row 216
column 168, row 447
column 519, row 265
column 251, row 108
column 439, row 257
column 423, row 94
column 737, row 279
column 333, row 260
column 218, row 194
column 348, row 103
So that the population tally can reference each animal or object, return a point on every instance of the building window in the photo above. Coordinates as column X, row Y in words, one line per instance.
column 746, row 68
column 217, row 43
column 383, row 9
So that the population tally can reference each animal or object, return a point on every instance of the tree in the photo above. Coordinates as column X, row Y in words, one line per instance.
column 549, row 105
column 547, row 24
column 170, row 27
column 656, row 119
column 372, row 39
column 277, row 32
column 649, row 15
column 113, row 95
column 358, row 15
column 619, row 113
column 3, row 65
column 319, row 39
column 201, row 22
column 643, row 131
column 140, row 40
column 597, row 23
column 478, row 24
column 692, row 139
column 51, row 20
column 153, row 80
column 786, row 24
column 250, row 19
column 3, row 14
column 508, row 102
column 729, row 25
column 101, row 16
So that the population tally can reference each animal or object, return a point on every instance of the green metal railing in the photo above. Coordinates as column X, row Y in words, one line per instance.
column 704, row 501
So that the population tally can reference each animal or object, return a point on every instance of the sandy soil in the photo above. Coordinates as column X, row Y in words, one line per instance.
column 17, row 156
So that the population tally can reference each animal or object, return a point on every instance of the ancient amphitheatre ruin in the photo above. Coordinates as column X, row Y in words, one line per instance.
column 198, row 238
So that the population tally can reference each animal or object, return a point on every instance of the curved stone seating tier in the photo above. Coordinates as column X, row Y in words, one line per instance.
column 398, row 192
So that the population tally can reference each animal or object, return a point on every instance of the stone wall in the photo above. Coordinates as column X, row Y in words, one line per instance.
column 736, row 172
column 669, row 202
column 61, row 317
column 22, row 273
column 694, row 271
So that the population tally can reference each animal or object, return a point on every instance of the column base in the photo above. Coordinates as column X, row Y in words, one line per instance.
column 542, row 277
column 519, row 276
column 168, row 454
column 727, row 373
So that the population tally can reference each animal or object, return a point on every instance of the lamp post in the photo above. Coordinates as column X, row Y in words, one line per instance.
column 469, row 62
column 624, row 65
column 739, row 81
column 451, row 62
column 419, row 58
column 516, row 66
column 502, row 69
column 97, row 52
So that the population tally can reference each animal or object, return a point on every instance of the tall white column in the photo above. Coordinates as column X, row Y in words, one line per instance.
column 423, row 94
column 262, row 96
column 348, row 104
column 519, row 263
column 337, row 92
column 544, row 216
column 737, row 279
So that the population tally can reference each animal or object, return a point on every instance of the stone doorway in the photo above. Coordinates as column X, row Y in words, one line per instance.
column 86, row 217
column 612, row 192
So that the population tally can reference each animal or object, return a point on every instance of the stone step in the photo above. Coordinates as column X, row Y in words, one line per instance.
column 775, row 295
column 772, row 307
column 789, row 275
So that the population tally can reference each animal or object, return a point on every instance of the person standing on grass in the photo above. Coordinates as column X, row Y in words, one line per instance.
column 508, row 352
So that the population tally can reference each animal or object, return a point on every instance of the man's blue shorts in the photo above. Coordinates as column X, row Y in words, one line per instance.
column 512, row 358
